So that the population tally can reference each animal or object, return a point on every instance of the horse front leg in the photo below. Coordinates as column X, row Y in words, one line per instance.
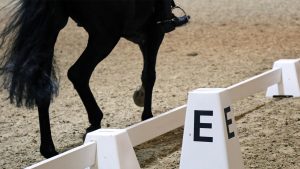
column 47, row 148
column 149, row 50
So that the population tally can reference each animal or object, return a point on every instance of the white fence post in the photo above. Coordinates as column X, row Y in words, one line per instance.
column 114, row 149
column 290, row 78
column 210, row 138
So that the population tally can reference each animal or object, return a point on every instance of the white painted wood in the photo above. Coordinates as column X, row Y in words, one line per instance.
column 115, row 149
column 255, row 84
column 78, row 158
column 122, row 141
column 156, row 126
column 206, row 143
column 290, row 80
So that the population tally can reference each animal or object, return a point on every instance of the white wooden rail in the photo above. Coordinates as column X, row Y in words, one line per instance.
column 161, row 124
column 113, row 148
column 78, row 158
column 255, row 84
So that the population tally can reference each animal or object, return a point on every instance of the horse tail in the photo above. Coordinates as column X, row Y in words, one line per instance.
column 27, row 64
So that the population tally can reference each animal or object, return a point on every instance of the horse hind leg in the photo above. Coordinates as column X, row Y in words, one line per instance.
column 47, row 148
column 99, row 46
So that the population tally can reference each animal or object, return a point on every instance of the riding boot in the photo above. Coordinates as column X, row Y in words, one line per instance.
column 170, row 24
column 169, row 21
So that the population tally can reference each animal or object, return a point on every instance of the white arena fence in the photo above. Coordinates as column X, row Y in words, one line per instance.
column 210, row 139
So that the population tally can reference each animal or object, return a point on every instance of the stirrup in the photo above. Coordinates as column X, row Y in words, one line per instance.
column 183, row 11
column 184, row 16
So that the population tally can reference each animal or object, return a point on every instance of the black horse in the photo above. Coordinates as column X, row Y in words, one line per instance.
column 27, row 66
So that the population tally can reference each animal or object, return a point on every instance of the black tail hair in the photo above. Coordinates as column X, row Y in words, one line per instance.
column 27, row 69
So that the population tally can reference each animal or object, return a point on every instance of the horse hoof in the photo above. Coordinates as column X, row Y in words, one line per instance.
column 90, row 129
column 146, row 117
column 139, row 97
column 48, row 152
